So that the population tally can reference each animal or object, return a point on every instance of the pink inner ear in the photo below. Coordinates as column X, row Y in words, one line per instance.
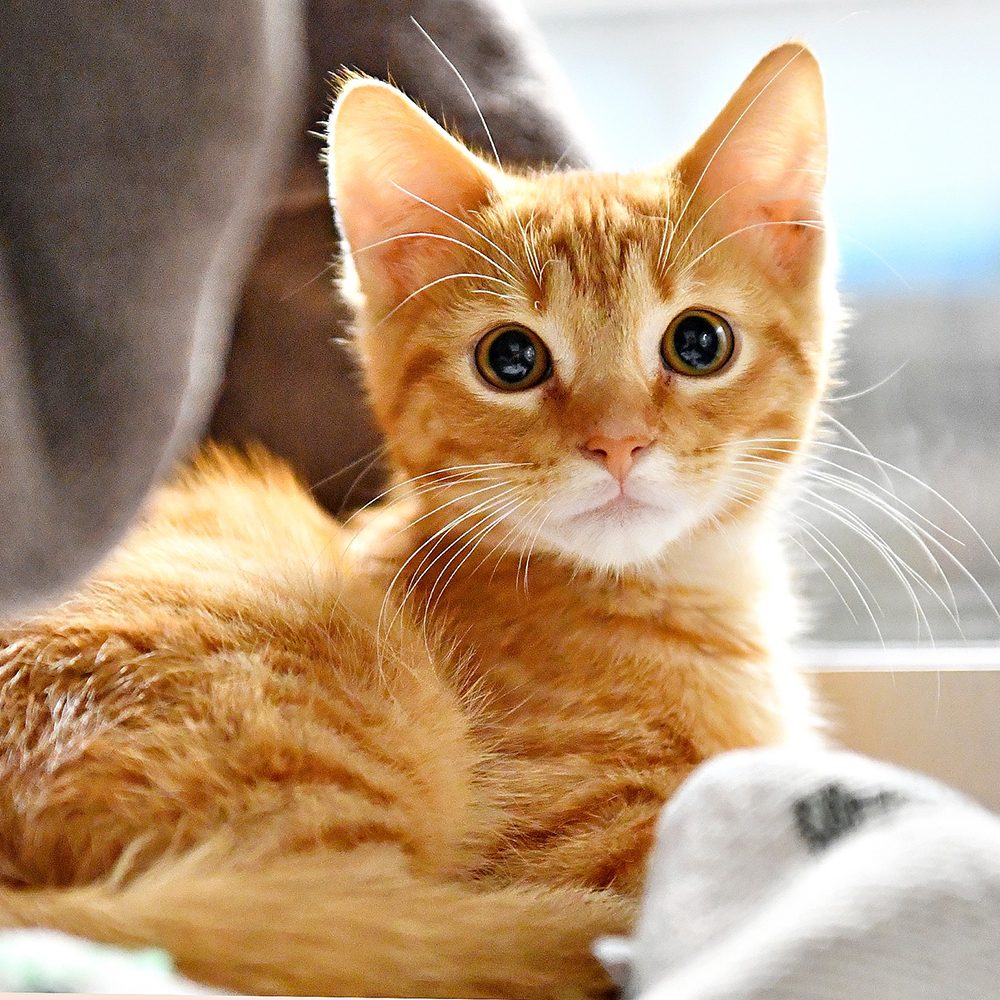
column 761, row 164
column 395, row 172
column 398, row 257
column 793, row 232
column 781, row 213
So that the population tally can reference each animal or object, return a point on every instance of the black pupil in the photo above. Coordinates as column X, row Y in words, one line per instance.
column 697, row 342
column 512, row 356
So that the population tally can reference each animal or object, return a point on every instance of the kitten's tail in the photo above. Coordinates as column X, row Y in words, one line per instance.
column 354, row 924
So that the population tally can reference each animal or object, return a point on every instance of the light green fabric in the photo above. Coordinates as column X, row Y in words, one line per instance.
column 41, row 961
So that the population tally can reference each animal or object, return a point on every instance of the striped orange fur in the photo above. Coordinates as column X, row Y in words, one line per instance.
column 422, row 753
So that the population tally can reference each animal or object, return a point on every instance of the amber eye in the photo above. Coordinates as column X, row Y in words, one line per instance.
column 512, row 358
column 697, row 342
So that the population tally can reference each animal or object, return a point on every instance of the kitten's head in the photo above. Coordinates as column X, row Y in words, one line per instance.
column 593, row 359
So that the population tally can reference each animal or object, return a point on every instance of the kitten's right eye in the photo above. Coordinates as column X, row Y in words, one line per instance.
column 513, row 358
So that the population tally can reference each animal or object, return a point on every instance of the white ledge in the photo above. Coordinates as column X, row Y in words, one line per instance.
column 898, row 657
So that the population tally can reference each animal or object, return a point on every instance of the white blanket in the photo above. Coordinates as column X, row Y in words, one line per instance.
column 782, row 875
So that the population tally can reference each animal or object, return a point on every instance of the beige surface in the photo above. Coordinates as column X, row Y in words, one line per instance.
column 946, row 724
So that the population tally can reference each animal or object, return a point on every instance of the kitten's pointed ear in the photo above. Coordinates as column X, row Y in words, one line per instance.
column 762, row 163
column 394, row 172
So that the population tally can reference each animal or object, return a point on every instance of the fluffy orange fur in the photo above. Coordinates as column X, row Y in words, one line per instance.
column 424, row 755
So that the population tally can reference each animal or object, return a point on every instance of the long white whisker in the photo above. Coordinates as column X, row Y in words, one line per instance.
column 851, row 436
column 512, row 280
column 491, row 521
column 423, row 490
column 863, row 392
column 376, row 452
column 472, row 229
column 747, row 494
column 461, row 80
column 846, row 237
column 515, row 530
column 701, row 218
column 837, row 557
column 745, row 229
column 885, row 500
column 667, row 229
column 431, row 541
column 423, row 288
column 530, row 250
column 487, row 507
column 305, row 284
column 531, row 547
column 517, row 527
column 915, row 531
column 482, row 121
column 379, row 453
column 820, row 539
column 861, row 490
column 506, row 296
column 842, row 561
column 843, row 600
column 448, row 503
column 446, row 475
column 899, row 566
column 441, row 535
column 902, row 472
column 435, row 553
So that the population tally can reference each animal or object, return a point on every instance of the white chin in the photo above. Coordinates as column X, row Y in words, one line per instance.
column 618, row 538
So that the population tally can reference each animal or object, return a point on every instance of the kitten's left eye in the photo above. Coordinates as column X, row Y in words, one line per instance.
column 697, row 342
column 513, row 358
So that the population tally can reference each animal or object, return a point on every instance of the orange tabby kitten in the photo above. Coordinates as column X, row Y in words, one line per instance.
column 426, row 757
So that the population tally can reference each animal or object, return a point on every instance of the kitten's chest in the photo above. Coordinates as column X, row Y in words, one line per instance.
column 578, row 772
column 588, row 731
column 590, row 706
column 566, row 673
column 637, row 677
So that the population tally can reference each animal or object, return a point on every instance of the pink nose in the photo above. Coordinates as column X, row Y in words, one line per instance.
column 618, row 454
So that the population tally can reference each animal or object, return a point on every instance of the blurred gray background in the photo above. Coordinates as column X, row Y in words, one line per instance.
column 913, row 92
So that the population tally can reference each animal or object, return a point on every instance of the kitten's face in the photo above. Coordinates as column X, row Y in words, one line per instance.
column 600, row 355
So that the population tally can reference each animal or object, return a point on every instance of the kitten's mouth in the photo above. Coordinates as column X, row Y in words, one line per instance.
column 621, row 507
column 620, row 530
